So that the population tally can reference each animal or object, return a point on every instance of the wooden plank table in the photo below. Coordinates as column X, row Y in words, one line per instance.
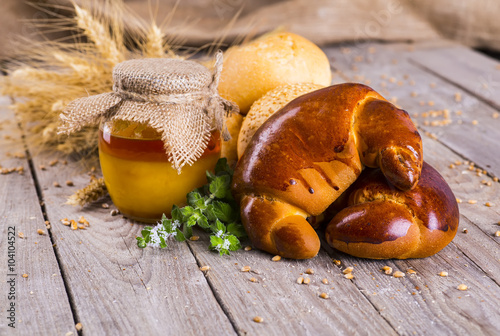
column 97, row 282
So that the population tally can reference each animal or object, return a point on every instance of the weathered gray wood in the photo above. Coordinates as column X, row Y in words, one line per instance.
column 471, row 259
column 116, row 287
column 286, row 306
column 473, row 132
column 465, row 68
column 426, row 301
column 391, row 62
column 386, row 69
column 479, row 221
column 41, row 302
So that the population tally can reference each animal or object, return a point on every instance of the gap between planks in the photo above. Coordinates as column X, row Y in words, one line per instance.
column 198, row 261
column 132, row 294
column 45, row 309
column 383, row 60
column 347, row 70
column 41, row 202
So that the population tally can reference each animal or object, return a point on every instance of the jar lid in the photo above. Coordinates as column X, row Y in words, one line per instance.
column 160, row 76
column 177, row 98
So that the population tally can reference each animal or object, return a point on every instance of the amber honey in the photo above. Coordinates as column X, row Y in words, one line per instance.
column 139, row 178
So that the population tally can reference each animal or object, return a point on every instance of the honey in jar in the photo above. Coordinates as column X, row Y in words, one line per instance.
column 159, row 132
column 140, row 180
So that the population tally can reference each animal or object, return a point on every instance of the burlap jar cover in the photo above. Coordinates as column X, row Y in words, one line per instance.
column 178, row 98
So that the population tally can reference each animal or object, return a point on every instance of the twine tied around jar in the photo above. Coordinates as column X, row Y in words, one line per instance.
column 177, row 98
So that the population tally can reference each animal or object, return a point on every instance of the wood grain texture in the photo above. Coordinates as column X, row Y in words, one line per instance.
column 391, row 62
column 465, row 68
column 41, row 303
column 479, row 221
column 285, row 305
column 116, row 287
column 473, row 131
column 473, row 260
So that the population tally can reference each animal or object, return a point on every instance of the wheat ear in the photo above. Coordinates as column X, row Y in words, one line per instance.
column 99, row 35
column 91, row 193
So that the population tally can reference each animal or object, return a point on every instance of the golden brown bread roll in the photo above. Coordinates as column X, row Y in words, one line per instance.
column 266, row 106
column 382, row 222
column 304, row 156
column 272, row 60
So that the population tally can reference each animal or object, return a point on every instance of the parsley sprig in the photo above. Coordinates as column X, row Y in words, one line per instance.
column 211, row 207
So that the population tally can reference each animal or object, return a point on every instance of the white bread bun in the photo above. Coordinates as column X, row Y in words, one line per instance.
column 266, row 106
column 272, row 60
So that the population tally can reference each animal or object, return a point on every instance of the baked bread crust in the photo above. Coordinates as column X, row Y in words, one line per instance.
column 382, row 222
column 266, row 106
column 305, row 155
column 272, row 60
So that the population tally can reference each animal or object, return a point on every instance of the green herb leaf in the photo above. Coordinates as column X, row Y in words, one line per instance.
column 223, row 211
column 219, row 187
column 193, row 197
column 224, row 252
column 179, row 236
column 187, row 231
column 187, row 211
column 203, row 222
column 176, row 214
column 209, row 207
column 236, row 229
column 215, row 241
column 210, row 176
column 209, row 212
column 167, row 225
column 145, row 233
column 140, row 242
column 218, row 228
column 163, row 243
column 234, row 241
column 223, row 168
column 191, row 221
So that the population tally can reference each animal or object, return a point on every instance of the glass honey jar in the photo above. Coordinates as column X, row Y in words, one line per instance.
column 159, row 132
column 141, row 181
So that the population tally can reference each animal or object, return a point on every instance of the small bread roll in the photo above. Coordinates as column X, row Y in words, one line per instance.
column 382, row 222
column 272, row 60
column 228, row 148
column 266, row 106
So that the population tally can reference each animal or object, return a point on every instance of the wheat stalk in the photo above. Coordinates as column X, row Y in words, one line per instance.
column 154, row 42
column 54, row 73
column 99, row 35
column 50, row 74
column 91, row 193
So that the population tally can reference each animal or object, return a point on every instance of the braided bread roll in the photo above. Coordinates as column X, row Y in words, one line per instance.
column 304, row 156
column 382, row 222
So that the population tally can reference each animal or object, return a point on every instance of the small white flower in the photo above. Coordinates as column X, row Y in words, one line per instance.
column 219, row 234
column 154, row 239
column 155, row 234
column 176, row 224
column 226, row 244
